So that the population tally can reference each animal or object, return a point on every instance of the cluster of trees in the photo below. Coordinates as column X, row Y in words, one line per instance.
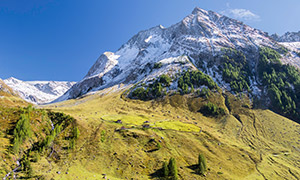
column 235, row 70
column 50, row 138
column 170, row 171
column 205, row 92
column 22, row 130
column 154, row 90
column 211, row 109
column 186, row 84
column 193, row 79
column 282, row 83
column 61, row 121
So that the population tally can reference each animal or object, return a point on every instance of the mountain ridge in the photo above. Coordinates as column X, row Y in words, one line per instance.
column 287, row 37
column 38, row 92
column 201, row 34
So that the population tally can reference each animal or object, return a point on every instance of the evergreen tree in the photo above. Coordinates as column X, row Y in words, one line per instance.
column 173, row 172
column 75, row 133
column 201, row 164
column 165, row 170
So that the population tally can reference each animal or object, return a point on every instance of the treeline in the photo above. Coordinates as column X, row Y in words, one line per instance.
column 187, row 82
column 154, row 90
column 282, row 83
column 235, row 70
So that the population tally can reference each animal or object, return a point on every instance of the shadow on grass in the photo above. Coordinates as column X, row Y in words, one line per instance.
column 157, row 174
column 194, row 168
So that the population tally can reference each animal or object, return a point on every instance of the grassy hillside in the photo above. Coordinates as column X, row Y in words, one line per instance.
column 8, row 98
column 131, row 139
column 31, row 140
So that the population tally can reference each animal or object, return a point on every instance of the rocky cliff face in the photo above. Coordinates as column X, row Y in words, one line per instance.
column 200, row 36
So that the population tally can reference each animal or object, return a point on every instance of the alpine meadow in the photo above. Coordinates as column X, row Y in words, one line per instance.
column 208, row 97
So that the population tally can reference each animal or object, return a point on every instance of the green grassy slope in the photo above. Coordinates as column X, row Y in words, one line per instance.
column 243, row 144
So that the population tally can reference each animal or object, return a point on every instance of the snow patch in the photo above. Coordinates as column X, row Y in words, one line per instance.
column 148, row 39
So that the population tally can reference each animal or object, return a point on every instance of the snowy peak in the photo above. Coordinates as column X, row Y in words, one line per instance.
column 5, row 90
column 201, row 36
column 287, row 37
column 38, row 92
column 104, row 64
column 198, row 10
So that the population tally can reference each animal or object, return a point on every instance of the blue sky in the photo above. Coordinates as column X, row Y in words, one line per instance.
column 61, row 39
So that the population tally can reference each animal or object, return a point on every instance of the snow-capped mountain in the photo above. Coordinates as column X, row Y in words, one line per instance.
column 39, row 92
column 287, row 37
column 200, row 36
column 290, row 40
column 6, row 89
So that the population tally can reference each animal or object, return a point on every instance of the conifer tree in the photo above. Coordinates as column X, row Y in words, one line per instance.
column 201, row 164
column 173, row 172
